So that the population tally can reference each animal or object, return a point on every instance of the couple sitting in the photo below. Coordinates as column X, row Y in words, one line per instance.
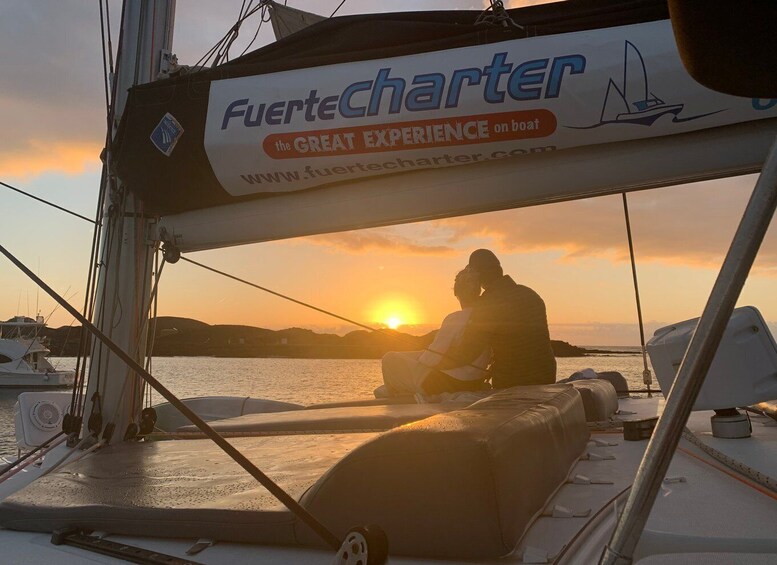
column 500, row 335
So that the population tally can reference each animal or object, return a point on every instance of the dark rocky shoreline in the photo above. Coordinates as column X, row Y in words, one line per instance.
column 184, row 337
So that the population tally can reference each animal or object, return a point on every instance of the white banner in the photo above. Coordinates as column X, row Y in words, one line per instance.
column 304, row 128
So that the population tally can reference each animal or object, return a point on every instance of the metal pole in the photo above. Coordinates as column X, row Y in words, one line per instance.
column 124, row 279
column 696, row 362
column 647, row 378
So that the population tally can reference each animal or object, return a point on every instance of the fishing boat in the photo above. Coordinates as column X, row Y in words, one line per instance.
column 373, row 120
column 24, row 356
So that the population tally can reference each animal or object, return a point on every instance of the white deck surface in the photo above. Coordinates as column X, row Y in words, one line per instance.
column 708, row 502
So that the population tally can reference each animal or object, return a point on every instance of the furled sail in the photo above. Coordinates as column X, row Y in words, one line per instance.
column 286, row 20
column 400, row 103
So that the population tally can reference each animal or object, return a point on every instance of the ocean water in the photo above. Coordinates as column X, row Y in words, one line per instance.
column 303, row 381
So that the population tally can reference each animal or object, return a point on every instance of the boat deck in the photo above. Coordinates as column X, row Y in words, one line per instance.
column 705, row 512
column 703, row 507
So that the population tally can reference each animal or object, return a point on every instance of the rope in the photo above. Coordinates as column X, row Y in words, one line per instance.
column 496, row 14
column 19, row 466
column 235, row 454
column 20, row 191
column 221, row 49
column 263, row 17
column 647, row 378
column 76, row 404
column 145, row 324
column 30, row 454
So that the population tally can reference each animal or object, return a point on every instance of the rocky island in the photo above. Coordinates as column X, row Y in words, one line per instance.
column 185, row 337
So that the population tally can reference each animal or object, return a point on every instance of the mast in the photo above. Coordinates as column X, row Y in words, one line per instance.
column 114, row 392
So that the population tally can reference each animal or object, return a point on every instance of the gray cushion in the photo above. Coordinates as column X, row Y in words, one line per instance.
column 464, row 484
column 600, row 400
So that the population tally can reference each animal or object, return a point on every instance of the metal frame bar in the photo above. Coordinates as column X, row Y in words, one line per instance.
column 693, row 370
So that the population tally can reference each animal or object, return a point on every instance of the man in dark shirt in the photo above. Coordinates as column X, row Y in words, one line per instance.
column 513, row 319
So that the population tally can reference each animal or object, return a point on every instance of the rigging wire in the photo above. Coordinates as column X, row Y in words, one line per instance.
column 221, row 49
column 108, row 188
column 278, row 294
column 288, row 501
column 647, row 378
column 89, row 301
column 108, row 33
column 141, row 336
column 340, row 5
column 233, row 36
column 106, row 76
column 155, row 317
column 263, row 17
column 77, row 402
column 118, row 214
column 56, row 306
column 396, row 336
column 60, row 208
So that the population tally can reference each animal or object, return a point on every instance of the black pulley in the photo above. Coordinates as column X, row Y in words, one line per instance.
column 132, row 431
column 363, row 546
column 171, row 253
column 95, row 422
column 147, row 421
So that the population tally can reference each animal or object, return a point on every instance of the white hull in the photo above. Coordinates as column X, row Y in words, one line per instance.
column 27, row 380
column 24, row 359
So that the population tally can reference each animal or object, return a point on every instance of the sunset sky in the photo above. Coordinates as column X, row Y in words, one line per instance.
column 574, row 254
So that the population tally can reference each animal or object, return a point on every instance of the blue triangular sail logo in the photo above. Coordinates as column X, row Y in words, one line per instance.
column 166, row 134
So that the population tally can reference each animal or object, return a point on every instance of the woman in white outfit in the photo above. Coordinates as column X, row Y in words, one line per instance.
column 456, row 360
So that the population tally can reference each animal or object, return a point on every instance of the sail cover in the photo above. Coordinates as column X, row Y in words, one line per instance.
column 362, row 97
column 286, row 20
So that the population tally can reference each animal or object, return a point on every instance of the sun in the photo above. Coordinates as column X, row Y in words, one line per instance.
column 393, row 311
column 393, row 322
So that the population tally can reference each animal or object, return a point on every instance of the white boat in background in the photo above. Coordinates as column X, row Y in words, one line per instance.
column 24, row 360
column 560, row 473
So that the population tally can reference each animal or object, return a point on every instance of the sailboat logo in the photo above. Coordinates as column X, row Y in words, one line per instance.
column 166, row 134
column 632, row 102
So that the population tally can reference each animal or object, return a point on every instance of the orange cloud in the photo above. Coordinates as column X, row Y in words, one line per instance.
column 38, row 157
column 690, row 226
column 380, row 239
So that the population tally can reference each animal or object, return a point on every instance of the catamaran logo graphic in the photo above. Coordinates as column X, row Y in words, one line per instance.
column 632, row 102
column 166, row 134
